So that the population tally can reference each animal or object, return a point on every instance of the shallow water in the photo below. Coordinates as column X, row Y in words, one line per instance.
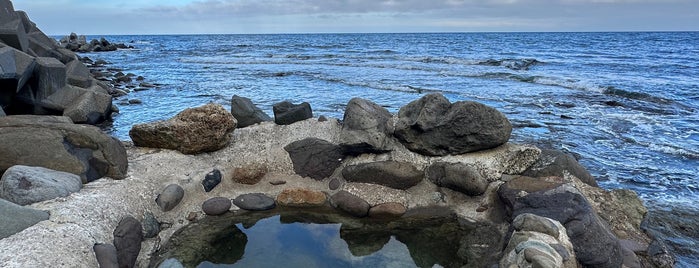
column 625, row 103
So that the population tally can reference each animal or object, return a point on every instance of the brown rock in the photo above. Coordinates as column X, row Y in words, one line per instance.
column 387, row 210
column 250, row 174
column 299, row 197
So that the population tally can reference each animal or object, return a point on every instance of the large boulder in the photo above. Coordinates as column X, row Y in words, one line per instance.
column 56, row 143
column 457, row 176
column 594, row 244
column 434, row 126
column 192, row 131
column 394, row 174
column 15, row 218
column 246, row 112
column 287, row 113
column 558, row 163
column 366, row 128
column 24, row 185
column 314, row 158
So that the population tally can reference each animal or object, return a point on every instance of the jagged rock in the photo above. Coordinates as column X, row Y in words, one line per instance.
column 82, row 105
column 366, row 128
column 24, row 185
column 170, row 197
column 12, row 30
column 287, row 113
column 250, row 174
column 127, row 240
column 557, row 163
column 211, row 180
column 387, row 210
column 394, row 174
column 16, row 218
column 314, row 158
column 457, row 176
column 192, row 131
column 299, row 197
column 50, row 76
column 56, row 143
column 106, row 255
column 216, row 206
column 246, row 112
column 350, row 203
column 434, row 126
column 151, row 226
column 594, row 243
column 78, row 74
column 254, row 201
column 16, row 67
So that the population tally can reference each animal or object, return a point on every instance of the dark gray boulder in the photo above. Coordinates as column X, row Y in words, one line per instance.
column 314, row 158
column 106, row 255
column 24, row 185
column 170, row 197
column 15, row 218
column 557, row 163
column 211, row 180
column 254, row 202
column 128, row 236
column 594, row 244
column 216, row 206
column 394, row 174
column 434, row 126
column 458, row 177
column 56, row 143
column 287, row 113
column 350, row 203
column 366, row 128
column 246, row 112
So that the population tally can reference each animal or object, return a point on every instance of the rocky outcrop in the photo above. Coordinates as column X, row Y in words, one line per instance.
column 314, row 158
column 37, row 76
column 434, row 126
column 366, row 128
column 56, row 143
column 394, row 174
column 76, row 43
column 558, row 163
column 287, row 113
column 24, row 185
column 246, row 113
column 192, row 131
column 16, row 218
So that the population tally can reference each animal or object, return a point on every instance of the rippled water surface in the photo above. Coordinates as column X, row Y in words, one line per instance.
column 626, row 103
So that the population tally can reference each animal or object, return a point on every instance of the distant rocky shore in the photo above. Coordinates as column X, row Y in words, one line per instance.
column 76, row 43
column 72, row 196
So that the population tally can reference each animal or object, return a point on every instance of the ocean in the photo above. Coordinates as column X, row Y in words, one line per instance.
column 626, row 104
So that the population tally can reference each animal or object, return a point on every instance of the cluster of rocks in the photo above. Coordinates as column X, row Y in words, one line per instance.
column 120, row 83
column 37, row 76
column 76, row 43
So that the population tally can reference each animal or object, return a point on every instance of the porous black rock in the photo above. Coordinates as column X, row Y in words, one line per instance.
column 211, row 180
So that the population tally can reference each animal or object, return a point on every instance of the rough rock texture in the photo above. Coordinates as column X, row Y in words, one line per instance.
column 299, row 197
column 558, row 163
column 366, row 128
column 151, row 225
column 192, row 131
column 434, row 126
column 457, row 176
column 249, row 174
column 287, row 113
column 350, row 203
column 211, row 180
column 58, row 144
column 394, row 174
column 254, row 201
column 170, row 197
column 246, row 113
column 216, row 206
column 106, row 255
column 387, row 210
column 538, row 242
column 594, row 243
column 25, row 185
column 16, row 218
column 314, row 157
column 127, row 240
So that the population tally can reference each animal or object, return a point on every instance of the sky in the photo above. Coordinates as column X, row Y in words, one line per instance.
column 60, row 17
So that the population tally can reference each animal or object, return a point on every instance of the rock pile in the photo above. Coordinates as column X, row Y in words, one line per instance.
column 37, row 76
column 76, row 43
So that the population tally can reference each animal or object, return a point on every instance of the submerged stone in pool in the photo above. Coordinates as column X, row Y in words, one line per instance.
column 305, row 238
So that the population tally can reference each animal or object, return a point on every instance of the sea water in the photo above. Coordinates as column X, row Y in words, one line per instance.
column 625, row 103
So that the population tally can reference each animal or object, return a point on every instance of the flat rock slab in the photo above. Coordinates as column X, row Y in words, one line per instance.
column 254, row 201
column 15, row 218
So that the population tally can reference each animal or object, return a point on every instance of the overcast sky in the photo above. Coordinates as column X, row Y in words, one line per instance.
column 58, row 17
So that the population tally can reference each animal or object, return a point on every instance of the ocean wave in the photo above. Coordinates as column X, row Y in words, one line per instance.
column 673, row 150
column 514, row 64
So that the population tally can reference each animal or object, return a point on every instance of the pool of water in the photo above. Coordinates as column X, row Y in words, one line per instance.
column 319, row 239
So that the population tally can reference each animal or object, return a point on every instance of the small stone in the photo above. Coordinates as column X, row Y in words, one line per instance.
column 277, row 182
column 170, row 197
column 350, row 203
column 151, row 226
column 250, row 174
column 135, row 101
column 127, row 240
column 106, row 255
column 299, row 197
column 334, row 184
column 216, row 206
column 211, row 180
column 192, row 216
column 254, row 201
column 387, row 210
column 322, row 118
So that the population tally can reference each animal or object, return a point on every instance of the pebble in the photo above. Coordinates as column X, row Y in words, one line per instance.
column 216, row 206
column 254, row 201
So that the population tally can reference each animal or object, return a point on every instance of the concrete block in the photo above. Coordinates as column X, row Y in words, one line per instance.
column 12, row 34
column 50, row 77
column 78, row 74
